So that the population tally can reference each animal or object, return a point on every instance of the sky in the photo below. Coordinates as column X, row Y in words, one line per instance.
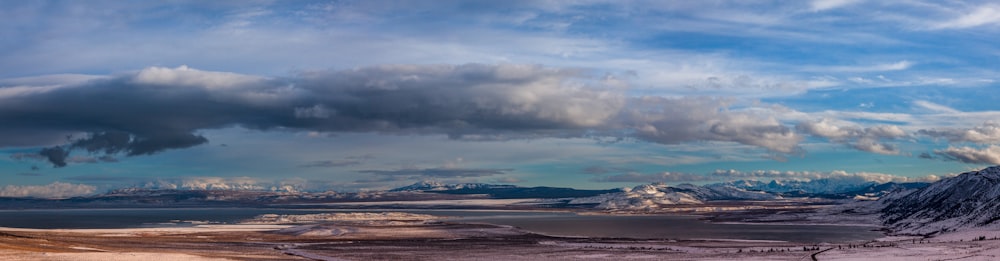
column 368, row 95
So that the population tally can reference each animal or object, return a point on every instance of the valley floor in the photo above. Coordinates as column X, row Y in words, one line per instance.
column 447, row 241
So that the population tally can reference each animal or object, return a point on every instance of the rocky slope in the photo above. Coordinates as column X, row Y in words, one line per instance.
column 967, row 201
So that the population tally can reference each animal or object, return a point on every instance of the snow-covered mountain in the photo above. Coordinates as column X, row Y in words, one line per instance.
column 824, row 188
column 500, row 191
column 818, row 186
column 437, row 186
column 656, row 195
column 970, row 200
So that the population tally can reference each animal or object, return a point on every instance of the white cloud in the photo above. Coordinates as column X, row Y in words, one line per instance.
column 673, row 121
column 53, row 190
column 217, row 183
column 987, row 155
column 828, row 129
column 869, row 139
column 872, row 145
column 822, row 5
column 896, row 66
column 980, row 16
column 185, row 76
column 934, row 107
column 817, row 175
column 988, row 132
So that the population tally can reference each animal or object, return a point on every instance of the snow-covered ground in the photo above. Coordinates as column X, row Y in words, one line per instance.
column 158, row 230
column 104, row 256
column 333, row 217
column 452, row 202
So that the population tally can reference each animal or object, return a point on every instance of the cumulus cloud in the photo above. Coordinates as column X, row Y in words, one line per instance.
column 53, row 190
column 668, row 177
column 673, row 121
column 987, row 155
column 988, row 132
column 871, row 139
column 216, row 183
column 157, row 109
column 817, row 175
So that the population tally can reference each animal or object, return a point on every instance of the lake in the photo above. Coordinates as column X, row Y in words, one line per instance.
column 549, row 223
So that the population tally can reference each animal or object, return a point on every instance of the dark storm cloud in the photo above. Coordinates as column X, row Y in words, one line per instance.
column 55, row 155
column 158, row 109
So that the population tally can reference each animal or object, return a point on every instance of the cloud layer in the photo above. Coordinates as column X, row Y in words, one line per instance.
column 158, row 109
column 53, row 190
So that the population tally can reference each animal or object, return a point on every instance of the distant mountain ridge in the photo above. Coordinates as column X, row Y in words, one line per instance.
column 824, row 188
column 651, row 197
column 501, row 191
column 437, row 186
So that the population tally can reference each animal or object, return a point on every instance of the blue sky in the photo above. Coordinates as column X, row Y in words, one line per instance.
column 354, row 95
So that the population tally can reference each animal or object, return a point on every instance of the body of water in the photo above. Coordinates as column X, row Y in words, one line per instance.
column 549, row 223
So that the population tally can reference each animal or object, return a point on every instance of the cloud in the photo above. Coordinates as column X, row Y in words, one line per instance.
column 100, row 178
column 934, row 107
column 817, row 175
column 439, row 172
column 508, row 180
column 987, row 155
column 884, row 67
column 869, row 139
column 204, row 183
column 346, row 161
column 53, row 190
column 158, row 109
column 980, row 16
column 55, row 155
column 823, row 5
column 988, row 132
column 331, row 163
column 604, row 170
column 651, row 178
column 674, row 121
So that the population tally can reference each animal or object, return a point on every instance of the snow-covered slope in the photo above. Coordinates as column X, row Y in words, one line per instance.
column 656, row 195
column 642, row 197
column 437, row 186
column 970, row 200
